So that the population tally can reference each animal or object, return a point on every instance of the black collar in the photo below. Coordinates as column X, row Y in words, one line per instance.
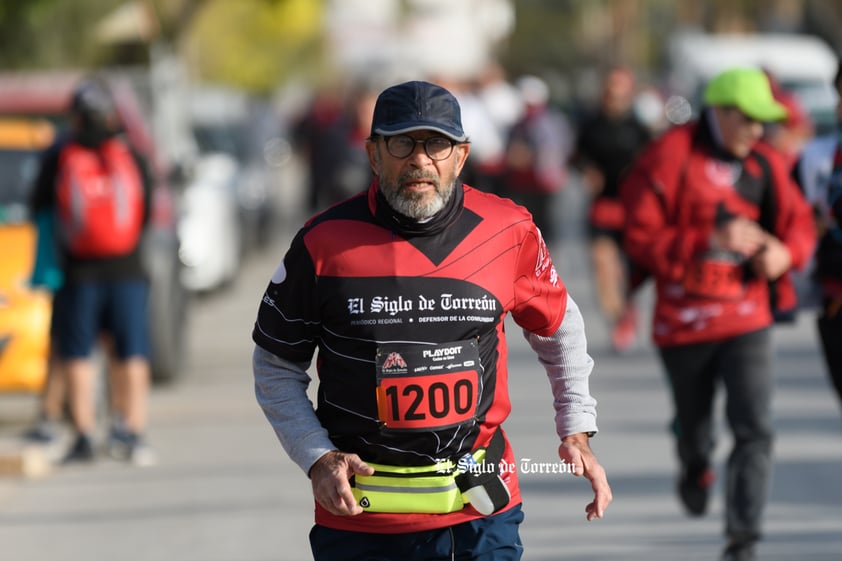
column 408, row 227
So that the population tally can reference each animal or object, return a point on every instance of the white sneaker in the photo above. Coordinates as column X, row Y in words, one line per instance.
column 130, row 447
column 142, row 455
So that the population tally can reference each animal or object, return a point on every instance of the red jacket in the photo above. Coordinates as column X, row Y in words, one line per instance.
column 674, row 194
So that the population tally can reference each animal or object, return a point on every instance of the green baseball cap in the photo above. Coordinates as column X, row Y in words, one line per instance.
column 748, row 90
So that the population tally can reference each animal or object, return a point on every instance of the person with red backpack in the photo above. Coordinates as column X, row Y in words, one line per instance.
column 98, row 190
column 714, row 216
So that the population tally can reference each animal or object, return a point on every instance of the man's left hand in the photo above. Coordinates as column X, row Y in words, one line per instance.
column 576, row 451
column 772, row 260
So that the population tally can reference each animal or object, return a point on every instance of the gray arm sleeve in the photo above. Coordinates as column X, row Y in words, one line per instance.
column 281, row 390
column 565, row 357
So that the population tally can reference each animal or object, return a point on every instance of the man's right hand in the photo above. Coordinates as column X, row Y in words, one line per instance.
column 329, row 477
column 740, row 235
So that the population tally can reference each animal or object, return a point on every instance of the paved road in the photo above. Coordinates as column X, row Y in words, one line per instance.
column 224, row 491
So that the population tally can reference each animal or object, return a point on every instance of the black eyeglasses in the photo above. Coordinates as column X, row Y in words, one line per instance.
column 436, row 147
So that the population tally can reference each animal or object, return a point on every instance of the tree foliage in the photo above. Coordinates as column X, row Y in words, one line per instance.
column 50, row 33
column 257, row 44
column 254, row 44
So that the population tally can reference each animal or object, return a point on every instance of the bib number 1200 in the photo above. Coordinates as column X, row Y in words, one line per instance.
column 425, row 402
column 428, row 387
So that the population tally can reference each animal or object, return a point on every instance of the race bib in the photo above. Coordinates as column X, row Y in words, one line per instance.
column 715, row 278
column 427, row 387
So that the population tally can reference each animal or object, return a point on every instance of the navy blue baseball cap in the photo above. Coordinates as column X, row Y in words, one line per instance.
column 416, row 106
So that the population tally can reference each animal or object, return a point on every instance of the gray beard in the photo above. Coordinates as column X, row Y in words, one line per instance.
column 413, row 206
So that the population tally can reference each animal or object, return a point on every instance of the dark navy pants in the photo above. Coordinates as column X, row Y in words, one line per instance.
column 743, row 365
column 82, row 310
column 494, row 538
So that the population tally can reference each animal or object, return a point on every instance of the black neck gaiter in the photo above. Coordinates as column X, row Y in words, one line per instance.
column 408, row 227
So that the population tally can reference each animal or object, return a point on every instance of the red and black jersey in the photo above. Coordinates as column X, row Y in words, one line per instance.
column 408, row 323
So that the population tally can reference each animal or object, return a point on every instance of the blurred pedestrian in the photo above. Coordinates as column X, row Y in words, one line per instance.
column 332, row 135
column 99, row 191
column 404, row 291
column 819, row 173
column 714, row 215
column 47, row 275
column 52, row 403
column 790, row 135
column 488, row 137
column 488, row 114
column 607, row 143
column 537, row 149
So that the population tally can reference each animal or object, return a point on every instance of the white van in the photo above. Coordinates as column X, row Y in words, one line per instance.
column 803, row 64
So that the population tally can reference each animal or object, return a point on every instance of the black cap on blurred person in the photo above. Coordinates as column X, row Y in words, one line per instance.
column 414, row 106
column 93, row 106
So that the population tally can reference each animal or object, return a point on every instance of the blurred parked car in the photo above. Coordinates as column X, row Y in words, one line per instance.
column 24, row 311
column 209, row 225
column 46, row 95
column 228, row 206
column 229, row 122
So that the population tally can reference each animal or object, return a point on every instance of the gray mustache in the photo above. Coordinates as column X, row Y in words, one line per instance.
column 419, row 176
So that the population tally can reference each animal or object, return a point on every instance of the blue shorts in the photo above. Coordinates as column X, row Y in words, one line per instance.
column 495, row 538
column 82, row 311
